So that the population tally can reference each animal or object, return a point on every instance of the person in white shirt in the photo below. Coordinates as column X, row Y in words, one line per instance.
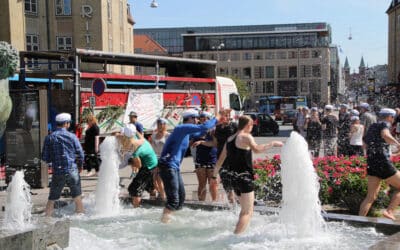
column 356, row 134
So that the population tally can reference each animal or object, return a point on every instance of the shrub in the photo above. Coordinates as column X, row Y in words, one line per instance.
column 8, row 60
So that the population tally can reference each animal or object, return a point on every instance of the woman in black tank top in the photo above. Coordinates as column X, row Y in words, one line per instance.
column 238, row 153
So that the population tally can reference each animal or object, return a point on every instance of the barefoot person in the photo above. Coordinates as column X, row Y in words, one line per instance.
column 238, row 153
column 171, row 157
column 63, row 152
column 378, row 140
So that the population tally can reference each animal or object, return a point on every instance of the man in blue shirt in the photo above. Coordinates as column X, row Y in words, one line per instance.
column 63, row 152
column 171, row 157
column 133, row 119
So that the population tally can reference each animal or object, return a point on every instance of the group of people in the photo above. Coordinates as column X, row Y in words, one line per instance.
column 358, row 132
column 224, row 153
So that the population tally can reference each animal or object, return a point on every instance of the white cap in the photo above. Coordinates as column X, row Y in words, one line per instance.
column 314, row 109
column 189, row 113
column 328, row 107
column 354, row 112
column 205, row 114
column 364, row 105
column 343, row 105
column 387, row 112
column 354, row 118
column 63, row 117
column 129, row 130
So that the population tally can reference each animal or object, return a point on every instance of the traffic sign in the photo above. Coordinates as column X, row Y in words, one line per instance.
column 98, row 86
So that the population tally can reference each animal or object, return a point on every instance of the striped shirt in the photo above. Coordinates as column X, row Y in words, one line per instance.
column 60, row 150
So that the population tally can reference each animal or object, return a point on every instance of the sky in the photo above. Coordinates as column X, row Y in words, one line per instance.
column 365, row 20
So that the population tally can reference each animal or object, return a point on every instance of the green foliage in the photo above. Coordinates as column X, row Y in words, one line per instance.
column 8, row 60
column 241, row 86
column 110, row 114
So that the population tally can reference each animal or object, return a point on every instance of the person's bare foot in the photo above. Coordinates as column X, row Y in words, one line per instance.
column 166, row 216
column 388, row 215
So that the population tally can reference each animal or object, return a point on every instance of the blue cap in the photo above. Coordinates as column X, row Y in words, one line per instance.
column 387, row 112
column 63, row 117
column 190, row 113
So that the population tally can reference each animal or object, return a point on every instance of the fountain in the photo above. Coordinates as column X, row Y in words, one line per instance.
column 301, row 209
column 18, row 204
column 107, row 189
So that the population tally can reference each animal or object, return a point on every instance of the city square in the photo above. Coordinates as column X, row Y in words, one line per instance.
column 117, row 119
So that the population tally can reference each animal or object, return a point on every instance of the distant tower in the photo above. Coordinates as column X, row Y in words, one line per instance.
column 346, row 70
column 362, row 68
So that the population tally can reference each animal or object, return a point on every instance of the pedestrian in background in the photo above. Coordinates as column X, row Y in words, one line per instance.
column 329, row 131
column 313, row 127
column 366, row 117
column 158, row 139
column 344, row 123
column 133, row 120
column 63, row 152
column 91, row 146
column 356, row 134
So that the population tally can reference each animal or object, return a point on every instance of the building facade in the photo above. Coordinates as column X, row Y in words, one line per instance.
column 394, row 42
column 11, row 18
column 285, row 59
column 62, row 25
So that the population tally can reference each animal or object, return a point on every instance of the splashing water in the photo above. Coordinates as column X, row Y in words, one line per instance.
column 18, row 204
column 301, row 208
column 107, row 189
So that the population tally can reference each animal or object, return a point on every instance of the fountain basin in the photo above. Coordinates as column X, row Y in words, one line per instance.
column 47, row 233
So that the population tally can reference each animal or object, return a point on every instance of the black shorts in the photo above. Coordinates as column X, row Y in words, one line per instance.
column 226, row 179
column 380, row 168
column 143, row 181
column 243, row 183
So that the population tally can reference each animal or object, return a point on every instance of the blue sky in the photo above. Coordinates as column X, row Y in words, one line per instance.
column 367, row 19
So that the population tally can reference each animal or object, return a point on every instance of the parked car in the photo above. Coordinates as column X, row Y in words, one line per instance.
column 289, row 116
column 263, row 123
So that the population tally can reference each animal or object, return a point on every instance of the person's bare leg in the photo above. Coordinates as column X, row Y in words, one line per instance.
column 202, row 179
column 246, row 212
column 166, row 216
column 160, row 186
column 374, row 184
column 136, row 201
column 231, row 196
column 78, row 205
column 212, row 185
column 394, row 181
column 49, row 208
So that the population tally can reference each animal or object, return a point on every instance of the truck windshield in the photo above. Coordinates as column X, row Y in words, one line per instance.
column 234, row 101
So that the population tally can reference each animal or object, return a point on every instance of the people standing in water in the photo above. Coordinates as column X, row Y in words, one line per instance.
column 206, row 157
column 158, row 139
column 63, row 152
column 238, row 153
column 224, row 129
column 91, row 146
column 171, row 157
column 378, row 139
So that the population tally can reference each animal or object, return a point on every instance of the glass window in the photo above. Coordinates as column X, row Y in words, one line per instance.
column 258, row 56
column 292, row 71
column 270, row 55
column 247, row 72
column 304, row 86
column 315, row 53
column 268, row 87
column 236, row 72
column 292, row 54
column 305, row 71
column 109, row 10
column 258, row 72
column 32, row 44
column 247, row 56
column 64, row 43
column 31, row 6
column 283, row 72
column 269, row 72
column 235, row 57
column 304, row 54
column 281, row 55
column 63, row 7
column 316, row 70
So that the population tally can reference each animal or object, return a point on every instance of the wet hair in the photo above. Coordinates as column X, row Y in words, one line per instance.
column 243, row 121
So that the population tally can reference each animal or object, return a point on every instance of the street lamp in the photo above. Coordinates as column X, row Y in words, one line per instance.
column 154, row 4
column 218, row 48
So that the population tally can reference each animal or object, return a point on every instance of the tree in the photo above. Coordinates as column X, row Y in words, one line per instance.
column 242, row 87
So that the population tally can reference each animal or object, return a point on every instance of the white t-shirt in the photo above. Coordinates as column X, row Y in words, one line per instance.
column 356, row 137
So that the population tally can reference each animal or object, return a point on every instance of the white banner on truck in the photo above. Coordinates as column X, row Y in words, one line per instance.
column 148, row 106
